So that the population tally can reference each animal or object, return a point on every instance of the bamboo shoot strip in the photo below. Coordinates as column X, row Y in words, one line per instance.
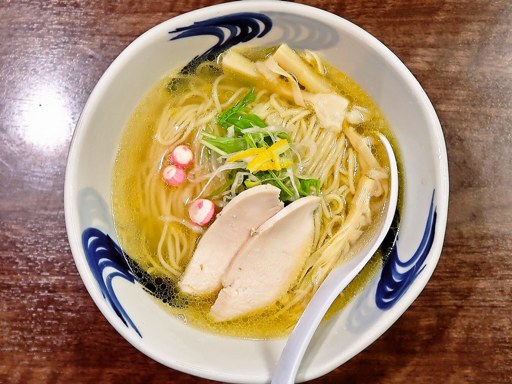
column 290, row 61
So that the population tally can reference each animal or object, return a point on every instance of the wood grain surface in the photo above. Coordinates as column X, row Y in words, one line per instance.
column 52, row 53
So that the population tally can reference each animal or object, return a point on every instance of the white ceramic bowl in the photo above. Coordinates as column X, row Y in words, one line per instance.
column 131, row 311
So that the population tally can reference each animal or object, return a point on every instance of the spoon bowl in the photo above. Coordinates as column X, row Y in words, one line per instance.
column 333, row 285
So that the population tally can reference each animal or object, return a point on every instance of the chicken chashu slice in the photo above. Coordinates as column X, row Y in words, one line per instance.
column 269, row 262
column 230, row 230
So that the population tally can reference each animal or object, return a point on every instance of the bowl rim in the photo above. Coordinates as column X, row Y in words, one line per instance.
column 441, row 178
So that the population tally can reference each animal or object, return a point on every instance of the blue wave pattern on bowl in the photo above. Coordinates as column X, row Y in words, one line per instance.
column 106, row 261
column 397, row 276
column 230, row 30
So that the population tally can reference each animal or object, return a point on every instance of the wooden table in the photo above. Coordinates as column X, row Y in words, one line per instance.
column 51, row 55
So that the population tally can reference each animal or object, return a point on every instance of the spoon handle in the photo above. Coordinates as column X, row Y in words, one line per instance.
column 335, row 282
column 299, row 339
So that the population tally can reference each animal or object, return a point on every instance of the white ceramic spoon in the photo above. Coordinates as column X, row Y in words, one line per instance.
column 333, row 285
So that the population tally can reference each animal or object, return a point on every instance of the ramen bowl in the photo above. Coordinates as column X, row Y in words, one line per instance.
column 124, row 302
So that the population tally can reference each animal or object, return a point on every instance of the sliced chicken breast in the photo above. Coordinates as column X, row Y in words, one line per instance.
column 269, row 262
column 231, row 229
